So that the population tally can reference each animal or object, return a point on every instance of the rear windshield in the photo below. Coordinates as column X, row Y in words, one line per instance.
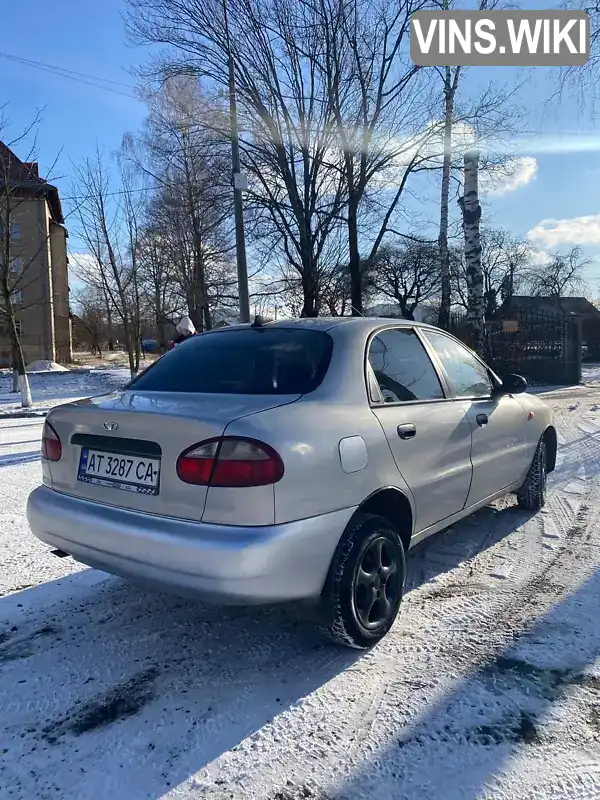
column 243, row 361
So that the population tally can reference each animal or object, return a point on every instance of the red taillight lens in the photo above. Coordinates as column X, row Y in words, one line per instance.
column 230, row 461
column 51, row 446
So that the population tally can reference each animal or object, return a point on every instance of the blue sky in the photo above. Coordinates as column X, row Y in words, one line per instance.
column 557, row 201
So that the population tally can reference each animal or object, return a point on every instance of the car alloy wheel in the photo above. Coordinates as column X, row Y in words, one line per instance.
column 377, row 584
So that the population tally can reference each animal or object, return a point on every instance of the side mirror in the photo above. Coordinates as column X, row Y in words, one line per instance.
column 513, row 384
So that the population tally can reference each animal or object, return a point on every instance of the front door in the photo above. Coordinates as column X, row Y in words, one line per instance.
column 429, row 435
column 501, row 452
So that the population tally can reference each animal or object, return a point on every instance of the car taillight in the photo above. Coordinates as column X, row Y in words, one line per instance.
column 51, row 446
column 230, row 461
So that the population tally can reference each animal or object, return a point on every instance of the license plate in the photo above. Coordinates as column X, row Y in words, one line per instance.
column 129, row 473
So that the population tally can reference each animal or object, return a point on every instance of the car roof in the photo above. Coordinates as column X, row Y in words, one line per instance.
column 327, row 323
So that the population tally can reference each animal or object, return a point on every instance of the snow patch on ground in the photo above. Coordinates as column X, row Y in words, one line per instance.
column 590, row 373
column 49, row 389
column 46, row 366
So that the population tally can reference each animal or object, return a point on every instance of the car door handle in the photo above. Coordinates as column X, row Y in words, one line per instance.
column 407, row 431
column 482, row 419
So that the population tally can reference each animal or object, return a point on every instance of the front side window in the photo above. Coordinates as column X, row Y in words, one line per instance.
column 402, row 367
column 466, row 374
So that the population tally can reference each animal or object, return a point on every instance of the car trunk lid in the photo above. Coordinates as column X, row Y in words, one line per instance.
column 149, row 429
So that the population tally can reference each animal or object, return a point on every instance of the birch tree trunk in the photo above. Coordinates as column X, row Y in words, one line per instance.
column 19, row 370
column 450, row 87
column 471, row 214
column 15, row 374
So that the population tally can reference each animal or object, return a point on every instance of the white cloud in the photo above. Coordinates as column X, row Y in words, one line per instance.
column 538, row 258
column 82, row 263
column 552, row 233
column 509, row 177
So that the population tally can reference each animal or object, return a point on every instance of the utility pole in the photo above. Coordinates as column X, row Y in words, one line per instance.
column 238, row 185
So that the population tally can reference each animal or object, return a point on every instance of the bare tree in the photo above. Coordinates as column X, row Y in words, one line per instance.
column 382, row 113
column 408, row 274
column 89, row 303
column 187, row 163
column 450, row 81
column 471, row 214
column 505, row 261
column 484, row 120
column 582, row 79
column 159, row 279
column 286, row 123
column 560, row 276
column 108, row 225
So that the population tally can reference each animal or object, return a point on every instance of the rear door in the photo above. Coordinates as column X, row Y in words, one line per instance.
column 428, row 433
column 501, row 450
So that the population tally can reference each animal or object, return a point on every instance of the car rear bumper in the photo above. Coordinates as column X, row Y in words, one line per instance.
column 222, row 563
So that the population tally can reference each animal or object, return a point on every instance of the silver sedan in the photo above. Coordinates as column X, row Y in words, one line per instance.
column 289, row 461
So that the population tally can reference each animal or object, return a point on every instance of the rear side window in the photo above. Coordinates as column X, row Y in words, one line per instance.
column 402, row 367
column 244, row 361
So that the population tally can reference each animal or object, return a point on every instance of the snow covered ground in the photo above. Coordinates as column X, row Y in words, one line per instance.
column 51, row 388
column 488, row 686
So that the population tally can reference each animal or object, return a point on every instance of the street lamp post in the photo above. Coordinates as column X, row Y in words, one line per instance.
column 238, row 185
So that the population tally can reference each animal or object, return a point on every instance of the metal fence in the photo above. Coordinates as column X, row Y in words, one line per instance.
column 543, row 348
column 591, row 339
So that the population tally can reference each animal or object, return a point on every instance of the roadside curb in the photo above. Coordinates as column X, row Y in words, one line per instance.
column 23, row 414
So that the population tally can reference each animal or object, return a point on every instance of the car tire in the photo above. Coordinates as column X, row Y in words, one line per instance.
column 532, row 495
column 363, row 591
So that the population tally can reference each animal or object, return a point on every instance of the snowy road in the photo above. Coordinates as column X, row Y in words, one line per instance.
column 488, row 686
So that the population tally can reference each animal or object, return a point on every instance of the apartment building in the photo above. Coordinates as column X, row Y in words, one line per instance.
column 38, row 262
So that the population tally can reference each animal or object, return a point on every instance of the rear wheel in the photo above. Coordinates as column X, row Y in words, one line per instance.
column 366, row 580
column 532, row 495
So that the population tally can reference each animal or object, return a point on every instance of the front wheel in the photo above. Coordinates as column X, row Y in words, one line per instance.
column 364, row 588
column 532, row 495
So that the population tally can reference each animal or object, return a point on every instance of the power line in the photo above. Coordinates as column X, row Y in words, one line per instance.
column 79, row 77
column 64, row 69
column 96, row 81
column 81, row 198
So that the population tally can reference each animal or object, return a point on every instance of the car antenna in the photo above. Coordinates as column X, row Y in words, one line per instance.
column 356, row 312
column 259, row 321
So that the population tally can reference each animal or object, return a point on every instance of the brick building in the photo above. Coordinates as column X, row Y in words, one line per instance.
column 38, row 252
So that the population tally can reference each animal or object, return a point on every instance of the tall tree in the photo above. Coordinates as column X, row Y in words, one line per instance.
column 187, row 164
column 560, row 276
column 505, row 261
column 90, row 306
column 450, row 82
column 481, row 120
column 286, row 122
column 380, row 103
column 408, row 274
column 159, row 277
column 109, row 225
